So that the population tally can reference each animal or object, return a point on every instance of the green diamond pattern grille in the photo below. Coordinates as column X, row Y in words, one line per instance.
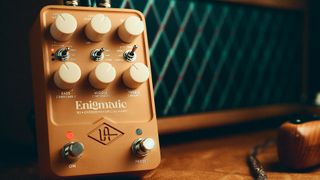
column 209, row 56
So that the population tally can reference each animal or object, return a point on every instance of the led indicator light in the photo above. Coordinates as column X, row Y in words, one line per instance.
column 138, row 131
column 69, row 135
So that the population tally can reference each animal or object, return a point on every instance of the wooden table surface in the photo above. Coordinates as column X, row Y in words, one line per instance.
column 222, row 158
column 202, row 156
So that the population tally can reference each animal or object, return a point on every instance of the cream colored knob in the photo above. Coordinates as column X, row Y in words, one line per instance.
column 131, row 28
column 102, row 75
column 63, row 27
column 67, row 75
column 136, row 75
column 98, row 27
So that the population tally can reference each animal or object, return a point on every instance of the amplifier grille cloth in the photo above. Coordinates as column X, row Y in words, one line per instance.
column 209, row 56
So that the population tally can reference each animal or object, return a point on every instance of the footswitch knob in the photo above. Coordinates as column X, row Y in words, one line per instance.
column 102, row 75
column 72, row 151
column 98, row 27
column 131, row 28
column 136, row 75
column 142, row 146
column 63, row 27
column 67, row 75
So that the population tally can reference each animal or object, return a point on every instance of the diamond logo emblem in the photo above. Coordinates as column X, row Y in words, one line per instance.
column 105, row 134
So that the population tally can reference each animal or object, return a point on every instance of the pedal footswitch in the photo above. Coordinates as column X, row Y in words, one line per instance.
column 72, row 151
column 141, row 147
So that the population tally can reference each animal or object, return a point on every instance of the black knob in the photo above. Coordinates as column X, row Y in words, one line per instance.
column 72, row 151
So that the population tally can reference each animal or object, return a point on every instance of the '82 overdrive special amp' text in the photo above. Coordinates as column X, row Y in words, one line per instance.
column 94, row 106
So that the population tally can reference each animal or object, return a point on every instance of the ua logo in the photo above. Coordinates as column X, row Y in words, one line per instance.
column 105, row 134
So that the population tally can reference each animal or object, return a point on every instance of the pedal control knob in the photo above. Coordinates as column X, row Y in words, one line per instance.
column 142, row 146
column 67, row 75
column 137, row 74
column 63, row 27
column 98, row 27
column 130, row 29
column 102, row 75
column 72, row 151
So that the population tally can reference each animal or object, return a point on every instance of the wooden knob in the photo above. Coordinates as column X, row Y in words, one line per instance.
column 136, row 75
column 67, row 75
column 299, row 144
column 102, row 75
column 63, row 27
column 130, row 29
column 98, row 27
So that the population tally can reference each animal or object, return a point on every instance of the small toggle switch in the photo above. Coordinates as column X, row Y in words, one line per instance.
column 97, row 54
column 72, row 151
column 142, row 146
column 62, row 54
column 131, row 55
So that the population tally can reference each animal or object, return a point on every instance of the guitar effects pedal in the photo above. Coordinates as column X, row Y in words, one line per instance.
column 93, row 96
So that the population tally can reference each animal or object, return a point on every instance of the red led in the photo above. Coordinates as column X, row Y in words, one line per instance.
column 52, row 50
column 69, row 135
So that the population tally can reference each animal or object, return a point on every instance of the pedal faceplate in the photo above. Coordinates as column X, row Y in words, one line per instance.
column 95, row 112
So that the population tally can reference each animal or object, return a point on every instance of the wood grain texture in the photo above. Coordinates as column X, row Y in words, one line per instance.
column 223, row 158
column 299, row 144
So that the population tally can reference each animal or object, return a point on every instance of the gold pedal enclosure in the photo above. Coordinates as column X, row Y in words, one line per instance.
column 93, row 96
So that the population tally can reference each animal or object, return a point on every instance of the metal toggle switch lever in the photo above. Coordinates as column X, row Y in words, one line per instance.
column 130, row 55
column 62, row 54
column 97, row 54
